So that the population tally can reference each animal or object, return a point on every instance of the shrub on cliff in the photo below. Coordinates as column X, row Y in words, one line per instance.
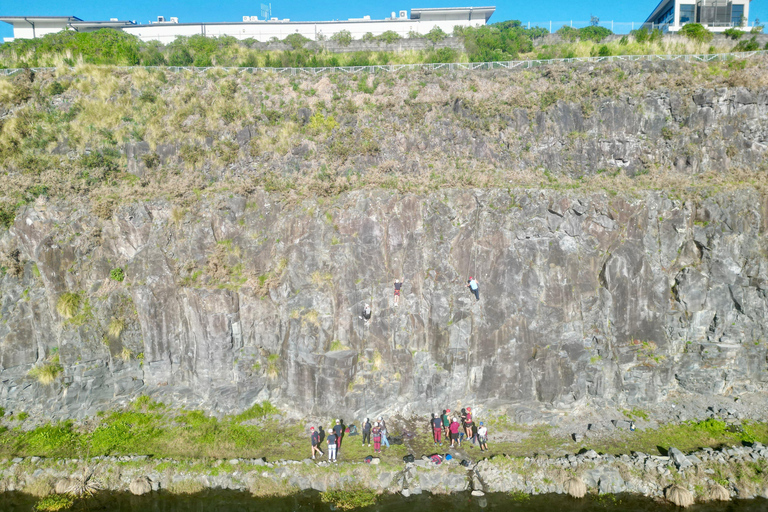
column 592, row 33
column 342, row 37
column 497, row 42
column 7, row 215
column 117, row 274
column 696, row 32
column 747, row 45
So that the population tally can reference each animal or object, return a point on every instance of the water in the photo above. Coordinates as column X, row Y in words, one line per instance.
column 232, row 501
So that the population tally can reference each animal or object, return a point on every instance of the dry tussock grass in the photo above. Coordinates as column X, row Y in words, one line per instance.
column 188, row 108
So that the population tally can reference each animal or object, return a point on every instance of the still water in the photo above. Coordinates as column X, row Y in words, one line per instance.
column 230, row 501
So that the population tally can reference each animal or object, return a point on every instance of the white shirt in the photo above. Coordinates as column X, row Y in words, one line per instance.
column 482, row 431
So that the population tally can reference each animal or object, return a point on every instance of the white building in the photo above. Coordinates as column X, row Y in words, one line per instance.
column 716, row 15
column 420, row 21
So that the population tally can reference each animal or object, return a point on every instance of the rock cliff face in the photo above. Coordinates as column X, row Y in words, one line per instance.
column 585, row 298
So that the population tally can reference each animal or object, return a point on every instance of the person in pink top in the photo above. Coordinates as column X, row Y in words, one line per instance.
column 454, row 429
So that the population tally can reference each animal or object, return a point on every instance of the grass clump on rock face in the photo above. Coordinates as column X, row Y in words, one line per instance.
column 47, row 373
column 116, row 327
column 68, row 305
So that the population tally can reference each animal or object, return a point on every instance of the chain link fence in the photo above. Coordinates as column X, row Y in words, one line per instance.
column 456, row 66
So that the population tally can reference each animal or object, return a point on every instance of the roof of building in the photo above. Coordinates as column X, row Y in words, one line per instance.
column 655, row 12
column 427, row 12
column 11, row 19
column 93, row 24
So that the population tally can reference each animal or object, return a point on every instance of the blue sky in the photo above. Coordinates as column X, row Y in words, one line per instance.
column 206, row 10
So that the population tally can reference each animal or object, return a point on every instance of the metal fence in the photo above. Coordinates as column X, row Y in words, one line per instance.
column 621, row 27
column 456, row 66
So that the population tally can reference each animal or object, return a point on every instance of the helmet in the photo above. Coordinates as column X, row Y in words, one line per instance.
column 380, row 418
column 366, row 419
column 481, row 423
column 338, row 421
column 469, row 409
column 376, row 424
column 454, row 420
column 311, row 428
column 470, row 278
column 447, row 410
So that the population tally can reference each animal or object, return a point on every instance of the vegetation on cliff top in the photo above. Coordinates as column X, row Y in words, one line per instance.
column 66, row 133
column 507, row 40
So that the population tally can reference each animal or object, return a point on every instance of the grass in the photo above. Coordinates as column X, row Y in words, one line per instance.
column 349, row 499
column 149, row 428
column 116, row 327
column 337, row 345
column 185, row 108
column 68, row 305
column 47, row 372
column 54, row 503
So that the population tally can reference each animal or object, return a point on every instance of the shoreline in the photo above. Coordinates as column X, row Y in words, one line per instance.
column 738, row 469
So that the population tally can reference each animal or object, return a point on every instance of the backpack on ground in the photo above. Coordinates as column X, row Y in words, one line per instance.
column 465, row 463
column 368, row 459
column 437, row 459
column 409, row 458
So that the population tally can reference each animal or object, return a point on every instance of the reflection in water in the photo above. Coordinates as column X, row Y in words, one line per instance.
column 232, row 501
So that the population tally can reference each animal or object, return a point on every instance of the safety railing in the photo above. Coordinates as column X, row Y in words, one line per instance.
column 455, row 66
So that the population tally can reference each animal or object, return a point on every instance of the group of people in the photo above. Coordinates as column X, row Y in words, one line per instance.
column 377, row 431
column 471, row 284
column 444, row 426
column 456, row 429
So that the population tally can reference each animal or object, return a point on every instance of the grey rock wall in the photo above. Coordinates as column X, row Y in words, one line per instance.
column 585, row 299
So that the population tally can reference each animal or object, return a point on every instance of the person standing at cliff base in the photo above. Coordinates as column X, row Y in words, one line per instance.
column 331, row 447
column 338, row 430
column 454, row 429
column 376, row 438
column 398, row 285
column 314, row 438
column 437, row 429
column 446, row 423
column 383, row 427
column 482, row 437
column 472, row 285
column 468, row 425
column 367, row 431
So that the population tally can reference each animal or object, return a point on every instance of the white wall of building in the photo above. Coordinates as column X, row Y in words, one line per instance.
column 24, row 30
column 266, row 30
